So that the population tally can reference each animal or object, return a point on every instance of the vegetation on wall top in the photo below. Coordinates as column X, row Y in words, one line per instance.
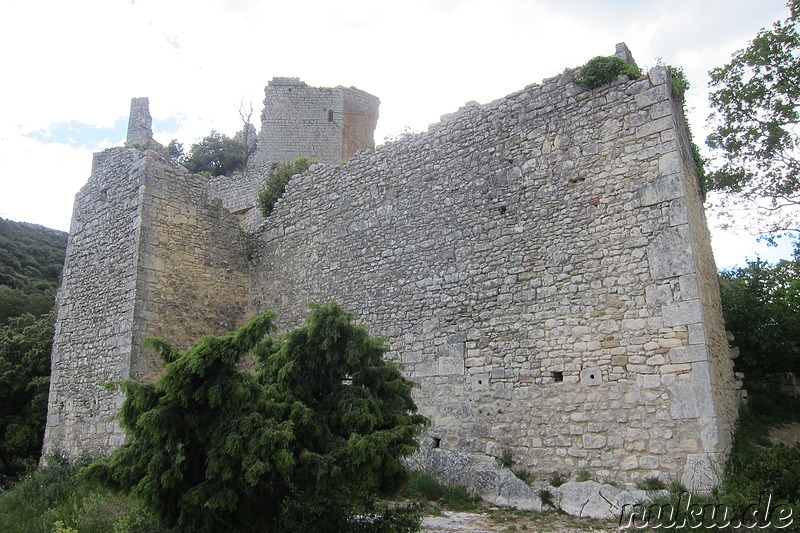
column 605, row 69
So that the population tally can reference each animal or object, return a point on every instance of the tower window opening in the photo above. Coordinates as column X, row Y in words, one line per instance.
column 330, row 115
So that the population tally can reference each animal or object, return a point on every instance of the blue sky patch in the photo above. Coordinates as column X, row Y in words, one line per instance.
column 79, row 135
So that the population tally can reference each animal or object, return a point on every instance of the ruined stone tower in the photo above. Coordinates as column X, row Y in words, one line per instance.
column 325, row 124
column 140, row 123
column 540, row 265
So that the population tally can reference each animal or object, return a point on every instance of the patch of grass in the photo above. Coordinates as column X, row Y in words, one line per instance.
column 525, row 475
column 53, row 494
column 547, row 498
column 557, row 479
column 506, row 459
column 583, row 475
column 425, row 488
column 651, row 483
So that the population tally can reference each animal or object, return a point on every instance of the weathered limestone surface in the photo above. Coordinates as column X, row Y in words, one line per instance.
column 540, row 265
column 327, row 123
column 148, row 255
column 140, row 123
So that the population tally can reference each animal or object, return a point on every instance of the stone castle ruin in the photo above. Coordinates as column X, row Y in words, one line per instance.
column 540, row 265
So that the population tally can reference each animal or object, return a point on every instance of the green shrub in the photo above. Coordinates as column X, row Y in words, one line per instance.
column 275, row 183
column 547, row 498
column 505, row 460
column 307, row 442
column 525, row 475
column 605, row 69
column 557, row 479
column 54, row 494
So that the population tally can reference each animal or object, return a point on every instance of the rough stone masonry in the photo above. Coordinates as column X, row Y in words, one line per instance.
column 540, row 265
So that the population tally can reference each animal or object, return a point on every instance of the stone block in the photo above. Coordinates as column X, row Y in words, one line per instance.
column 670, row 253
column 651, row 96
column 588, row 499
column 591, row 376
column 682, row 313
column 688, row 354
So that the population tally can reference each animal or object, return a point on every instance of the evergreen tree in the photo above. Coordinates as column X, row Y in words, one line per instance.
column 306, row 443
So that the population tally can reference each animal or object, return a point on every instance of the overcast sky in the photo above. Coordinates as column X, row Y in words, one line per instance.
column 69, row 68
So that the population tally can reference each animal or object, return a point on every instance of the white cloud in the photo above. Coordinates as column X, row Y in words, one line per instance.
column 196, row 59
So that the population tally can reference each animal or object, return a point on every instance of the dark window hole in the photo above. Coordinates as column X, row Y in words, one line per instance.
column 503, row 209
column 436, row 442
column 330, row 115
column 558, row 376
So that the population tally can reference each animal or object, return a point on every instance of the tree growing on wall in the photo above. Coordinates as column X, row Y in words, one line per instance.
column 216, row 154
column 304, row 444
column 756, row 102
column 275, row 183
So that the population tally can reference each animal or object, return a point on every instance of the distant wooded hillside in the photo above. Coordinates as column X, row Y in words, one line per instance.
column 31, row 259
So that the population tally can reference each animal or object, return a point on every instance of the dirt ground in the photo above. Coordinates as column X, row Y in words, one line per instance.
column 503, row 520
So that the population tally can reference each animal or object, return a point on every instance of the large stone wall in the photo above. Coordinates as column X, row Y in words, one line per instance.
column 148, row 255
column 95, row 307
column 541, row 267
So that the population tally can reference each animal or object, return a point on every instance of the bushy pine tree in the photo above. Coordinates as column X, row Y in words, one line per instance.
column 304, row 444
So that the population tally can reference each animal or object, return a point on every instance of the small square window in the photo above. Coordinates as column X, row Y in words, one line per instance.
column 558, row 376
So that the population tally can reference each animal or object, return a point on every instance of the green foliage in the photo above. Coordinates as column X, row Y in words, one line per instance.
column 14, row 302
column 275, row 183
column 525, row 475
column 605, row 69
column 583, row 475
column 175, row 152
column 761, row 305
column 557, row 479
column 306, row 443
column 53, row 494
column 424, row 487
column 217, row 153
column 755, row 464
column 547, row 498
column 651, row 483
column 679, row 81
column 755, row 100
column 31, row 259
column 25, row 344
column 505, row 460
